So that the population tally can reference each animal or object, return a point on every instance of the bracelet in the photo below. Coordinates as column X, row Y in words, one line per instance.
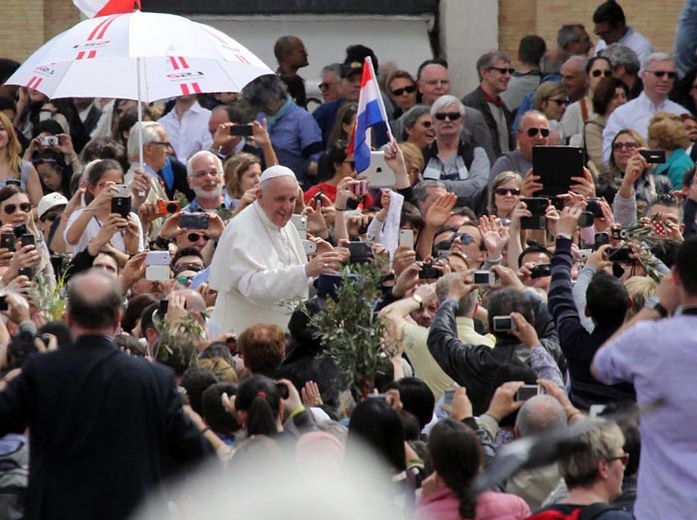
column 339, row 209
column 206, row 429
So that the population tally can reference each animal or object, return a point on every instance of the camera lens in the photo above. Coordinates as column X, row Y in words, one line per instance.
column 171, row 207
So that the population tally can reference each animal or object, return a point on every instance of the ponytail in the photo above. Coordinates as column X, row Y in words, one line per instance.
column 262, row 418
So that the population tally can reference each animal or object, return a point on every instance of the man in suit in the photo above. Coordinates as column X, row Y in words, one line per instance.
column 105, row 427
column 494, row 69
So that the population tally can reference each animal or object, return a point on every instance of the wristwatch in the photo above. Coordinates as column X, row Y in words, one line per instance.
column 654, row 303
column 418, row 299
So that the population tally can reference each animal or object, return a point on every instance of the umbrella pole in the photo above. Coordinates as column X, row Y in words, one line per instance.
column 140, row 116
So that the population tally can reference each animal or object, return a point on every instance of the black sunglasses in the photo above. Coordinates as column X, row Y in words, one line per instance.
column 559, row 102
column 661, row 73
column 503, row 70
column 426, row 124
column 452, row 116
column 195, row 237
column 11, row 208
column 532, row 132
column 506, row 191
column 605, row 73
column 399, row 91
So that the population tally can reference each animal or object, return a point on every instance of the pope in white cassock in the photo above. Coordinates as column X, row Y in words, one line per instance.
column 260, row 259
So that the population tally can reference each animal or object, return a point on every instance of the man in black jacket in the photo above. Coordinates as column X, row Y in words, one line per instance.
column 105, row 427
column 607, row 301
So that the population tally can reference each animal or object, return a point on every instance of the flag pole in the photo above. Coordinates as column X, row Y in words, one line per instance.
column 381, row 103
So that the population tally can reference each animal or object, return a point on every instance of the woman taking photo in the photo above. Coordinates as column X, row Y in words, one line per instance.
column 13, row 167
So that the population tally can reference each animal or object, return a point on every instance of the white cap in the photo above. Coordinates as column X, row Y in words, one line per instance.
column 274, row 172
column 50, row 201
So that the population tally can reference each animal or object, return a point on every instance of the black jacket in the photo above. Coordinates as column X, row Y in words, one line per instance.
column 476, row 100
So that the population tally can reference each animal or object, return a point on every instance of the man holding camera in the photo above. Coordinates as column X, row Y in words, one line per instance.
column 477, row 366
column 260, row 260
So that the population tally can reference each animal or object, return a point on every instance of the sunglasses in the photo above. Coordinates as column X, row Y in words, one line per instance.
column 604, row 73
column 559, row 102
column 45, row 161
column 624, row 458
column 25, row 207
column 325, row 86
column 624, row 146
column 503, row 70
column 465, row 239
column 532, row 132
column 507, row 191
column 426, row 124
column 195, row 237
column 452, row 116
column 661, row 73
column 399, row 91
column 184, row 279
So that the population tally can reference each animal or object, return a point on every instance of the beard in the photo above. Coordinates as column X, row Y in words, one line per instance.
column 211, row 194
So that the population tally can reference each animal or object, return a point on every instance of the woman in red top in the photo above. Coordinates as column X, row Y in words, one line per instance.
column 338, row 165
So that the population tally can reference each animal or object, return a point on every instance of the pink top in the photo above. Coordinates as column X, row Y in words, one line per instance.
column 444, row 504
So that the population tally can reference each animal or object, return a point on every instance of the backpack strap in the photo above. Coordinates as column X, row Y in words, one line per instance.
column 584, row 109
column 592, row 511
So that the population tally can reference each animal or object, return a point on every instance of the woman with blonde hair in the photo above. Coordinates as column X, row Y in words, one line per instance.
column 242, row 173
column 414, row 160
column 551, row 99
column 667, row 132
column 13, row 167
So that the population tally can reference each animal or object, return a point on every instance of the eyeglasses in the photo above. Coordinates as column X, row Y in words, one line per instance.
column 624, row 146
column 559, row 102
column 532, row 132
column 25, row 207
column 201, row 175
column 426, row 124
column 452, row 116
column 506, row 191
column 166, row 144
column 45, row 161
column 661, row 73
column 352, row 164
column 434, row 82
column 624, row 458
column 604, row 73
column 503, row 70
column 399, row 91
column 324, row 85
column 195, row 237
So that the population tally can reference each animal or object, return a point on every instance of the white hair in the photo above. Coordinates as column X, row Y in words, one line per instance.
column 203, row 153
column 150, row 135
column 446, row 100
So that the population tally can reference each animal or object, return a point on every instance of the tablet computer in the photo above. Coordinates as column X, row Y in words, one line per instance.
column 555, row 165
column 378, row 174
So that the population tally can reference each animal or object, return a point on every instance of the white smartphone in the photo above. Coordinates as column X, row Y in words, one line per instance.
column 124, row 190
column 406, row 238
column 157, row 273
column 157, row 258
column 310, row 247
column 300, row 223
column 378, row 174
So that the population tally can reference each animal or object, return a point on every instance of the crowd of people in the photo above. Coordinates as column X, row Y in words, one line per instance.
column 160, row 314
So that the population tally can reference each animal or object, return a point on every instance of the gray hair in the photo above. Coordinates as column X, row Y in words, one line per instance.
column 521, row 119
column 149, row 136
column 540, row 415
column 657, row 56
column 264, row 89
column 203, row 153
column 332, row 67
column 619, row 54
column 466, row 304
column 446, row 100
column 420, row 189
column 412, row 115
column 487, row 60
column 567, row 34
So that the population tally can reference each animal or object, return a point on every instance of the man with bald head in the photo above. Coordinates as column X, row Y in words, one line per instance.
column 260, row 259
column 89, row 407
column 574, row 77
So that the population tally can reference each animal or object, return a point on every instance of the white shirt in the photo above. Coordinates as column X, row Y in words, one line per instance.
column 635, row 115
column 190, row 134
column 255, row 266
column 635, row 41
column 92, row 230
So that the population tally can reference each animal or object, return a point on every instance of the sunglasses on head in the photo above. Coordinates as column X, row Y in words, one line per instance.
column 532, row 132
column 506, row 191
column 452, row 116
column 661, row 73
column 399, row 91
column 195, row 237
column 11, row 208
column 605, row 73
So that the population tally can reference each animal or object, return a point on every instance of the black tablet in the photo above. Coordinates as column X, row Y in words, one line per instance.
column 555, row 165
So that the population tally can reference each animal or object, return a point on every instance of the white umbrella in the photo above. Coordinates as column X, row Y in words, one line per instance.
column 140, row 56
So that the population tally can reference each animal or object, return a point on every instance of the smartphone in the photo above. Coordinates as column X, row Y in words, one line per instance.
column 241, row 130
column 621, row 255
column 123, row 190
column 26, row 271
column 13, row 182
column 593, row 205
column 585, row 253
column 121, row 205
column 193, row 221
column 503, row 324
column 157, row 258
column 359, row 252
column 28, row 240
column 157, row 273
column 164, row 307
column 541, row 270
column 525, row 392
column 300, row 223
column 7, row 241
column 310, row 247
column 653, row 156
column 3, row 303
column 448, row 397
column 359, row 188
column 600, row 239
column 659, row 228
column 586, row 219
column 485, row 278
column 538, row 207
column 555, row 165
column 406, row 238
column 378, row 396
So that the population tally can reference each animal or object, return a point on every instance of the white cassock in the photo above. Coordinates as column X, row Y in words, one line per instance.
column 255, row 266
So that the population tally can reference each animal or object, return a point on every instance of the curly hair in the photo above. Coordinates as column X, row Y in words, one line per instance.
column 668, row 132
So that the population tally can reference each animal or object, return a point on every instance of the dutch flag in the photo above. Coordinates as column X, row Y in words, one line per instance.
column 371, row 111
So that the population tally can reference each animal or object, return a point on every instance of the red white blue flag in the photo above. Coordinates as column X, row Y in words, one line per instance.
column 371, row 111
